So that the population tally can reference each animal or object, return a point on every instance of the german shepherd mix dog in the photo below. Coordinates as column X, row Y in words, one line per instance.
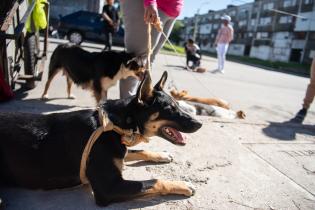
column 44, row 151
column 97, row 71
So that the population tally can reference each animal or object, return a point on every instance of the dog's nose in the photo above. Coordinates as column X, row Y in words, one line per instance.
column 198, row 125
column 191, row 126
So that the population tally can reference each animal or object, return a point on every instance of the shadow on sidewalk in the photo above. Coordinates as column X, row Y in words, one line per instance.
column 36, row 106
column 71, row 198
column 287, row 131
column 177, row 67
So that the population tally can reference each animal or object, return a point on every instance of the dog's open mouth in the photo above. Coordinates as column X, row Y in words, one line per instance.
column 174, row 135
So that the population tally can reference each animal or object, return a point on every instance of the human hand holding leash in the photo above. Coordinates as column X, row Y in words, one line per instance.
column 151, row 16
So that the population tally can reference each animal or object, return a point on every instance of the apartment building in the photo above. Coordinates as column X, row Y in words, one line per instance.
column 264, row 29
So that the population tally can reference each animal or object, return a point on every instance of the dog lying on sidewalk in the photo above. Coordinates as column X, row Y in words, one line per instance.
column 46, row 151
column 206, row 106
column 96, row 71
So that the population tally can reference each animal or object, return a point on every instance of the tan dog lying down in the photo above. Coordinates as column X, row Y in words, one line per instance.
column 206, row 106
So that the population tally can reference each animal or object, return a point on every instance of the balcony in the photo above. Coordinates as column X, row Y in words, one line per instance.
column 265, row 28
column 292, row 9
column 307, row 7
column 245, row 41
column 284, row 27
column 310, row 45
column 266, row 13
column 259, row 42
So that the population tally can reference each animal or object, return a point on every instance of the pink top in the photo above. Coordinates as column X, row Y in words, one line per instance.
column 225, row 35
column 171, row 8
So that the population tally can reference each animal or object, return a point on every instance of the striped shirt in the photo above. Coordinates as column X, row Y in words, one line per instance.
column 171, row 8
column 225, row 35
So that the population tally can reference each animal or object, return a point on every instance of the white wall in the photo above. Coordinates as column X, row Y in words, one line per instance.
column 298, row 44
column 281, row 54
column 236, row 49
column 260, row 52
column 205, row 28
column 305, row 24
column 206, row 47
column 282, row 42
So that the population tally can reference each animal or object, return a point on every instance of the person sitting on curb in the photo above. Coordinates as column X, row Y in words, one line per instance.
column 192, row 54
column 308, row 99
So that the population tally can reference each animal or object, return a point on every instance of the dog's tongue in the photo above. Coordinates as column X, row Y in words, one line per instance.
column 180, row 137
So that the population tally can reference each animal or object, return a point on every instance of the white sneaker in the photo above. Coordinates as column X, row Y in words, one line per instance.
column 221, row 71
column 215, row 71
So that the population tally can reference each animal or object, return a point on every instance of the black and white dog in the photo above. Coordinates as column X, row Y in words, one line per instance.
column 96, row 71
column 44, row 151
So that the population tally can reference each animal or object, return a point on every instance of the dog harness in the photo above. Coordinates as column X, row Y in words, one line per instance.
column 129, row 138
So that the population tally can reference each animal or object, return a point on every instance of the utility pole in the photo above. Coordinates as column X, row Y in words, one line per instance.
column 307, row 33
column 196, row 24
column 197, row 20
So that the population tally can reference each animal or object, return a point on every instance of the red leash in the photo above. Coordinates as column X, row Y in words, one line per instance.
column 5, row 90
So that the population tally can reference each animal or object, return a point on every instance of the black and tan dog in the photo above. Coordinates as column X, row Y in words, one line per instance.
column 44, row 151
column 96, row 71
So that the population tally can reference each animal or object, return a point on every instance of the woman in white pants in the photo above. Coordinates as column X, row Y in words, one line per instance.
column 137, row 13
column 224, row 37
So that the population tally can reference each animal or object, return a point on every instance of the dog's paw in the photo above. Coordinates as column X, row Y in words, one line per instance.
column 44, row 97
column 71, row 96
column 164, row 157
column 191, row 189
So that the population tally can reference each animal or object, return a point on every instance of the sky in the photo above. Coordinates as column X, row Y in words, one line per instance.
column 191, row 6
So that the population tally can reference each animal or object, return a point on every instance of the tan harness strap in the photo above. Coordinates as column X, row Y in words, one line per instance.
column 129, row 138
column 149, row 47
column 158, row 27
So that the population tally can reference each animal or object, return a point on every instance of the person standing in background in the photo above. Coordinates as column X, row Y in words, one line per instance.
column 111, row 22
column 137, row 14
column 308, row 99
column 223, row 39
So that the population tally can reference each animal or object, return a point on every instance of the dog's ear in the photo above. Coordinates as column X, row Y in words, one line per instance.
column 145, row 89
column 140, row 61
column 161, row 82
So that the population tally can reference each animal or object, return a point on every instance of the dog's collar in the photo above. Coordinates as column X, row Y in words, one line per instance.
column 128, row 138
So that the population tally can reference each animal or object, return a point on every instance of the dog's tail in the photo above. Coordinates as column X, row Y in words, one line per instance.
column 54, row 64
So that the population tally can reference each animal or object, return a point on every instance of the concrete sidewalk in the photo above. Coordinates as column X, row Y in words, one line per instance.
column 262, row 162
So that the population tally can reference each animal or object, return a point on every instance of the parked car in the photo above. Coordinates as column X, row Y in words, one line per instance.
column 85, row 25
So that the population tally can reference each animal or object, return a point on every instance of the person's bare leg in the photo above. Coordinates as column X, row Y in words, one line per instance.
column 309, row 97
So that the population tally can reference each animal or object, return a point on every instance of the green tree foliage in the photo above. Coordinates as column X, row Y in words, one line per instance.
column 175, row 35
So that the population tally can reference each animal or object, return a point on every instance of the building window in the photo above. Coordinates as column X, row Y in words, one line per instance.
column 268, row 6
column 232, row 13
column 262, row 35
column 285, row 19
column 217, row 16
column 253, row 22
column 289, row 3
column 215, row 26
column 299, row 35
column 242, row 23
column 308, row 1
column 265, row 21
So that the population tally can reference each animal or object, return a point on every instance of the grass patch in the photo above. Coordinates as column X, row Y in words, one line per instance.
column 167, row 47
column 289, row 67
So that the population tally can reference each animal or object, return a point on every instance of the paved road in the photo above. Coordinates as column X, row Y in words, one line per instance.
column 261, row 162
